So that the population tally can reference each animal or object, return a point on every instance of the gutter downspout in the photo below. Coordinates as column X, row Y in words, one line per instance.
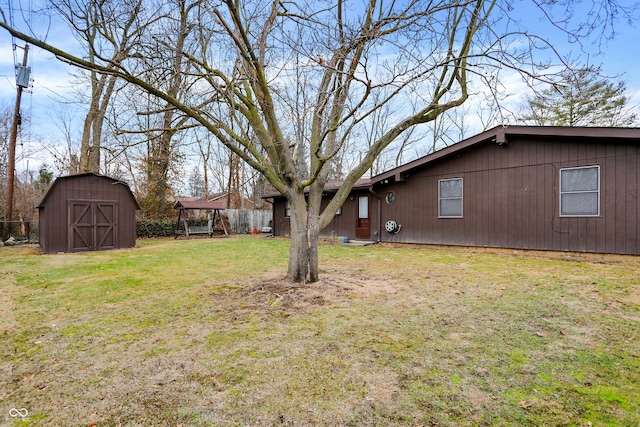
column 379, row 213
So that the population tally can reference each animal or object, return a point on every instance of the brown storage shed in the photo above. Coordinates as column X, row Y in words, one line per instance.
column 87, row 212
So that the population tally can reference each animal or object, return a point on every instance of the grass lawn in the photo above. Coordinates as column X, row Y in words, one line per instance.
column 206, row 333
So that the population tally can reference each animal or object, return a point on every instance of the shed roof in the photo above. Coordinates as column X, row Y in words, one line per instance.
column 81, row 176
column 199, row 204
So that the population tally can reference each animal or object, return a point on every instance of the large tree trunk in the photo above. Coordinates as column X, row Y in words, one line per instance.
column 88, row 144
column 303, row 253
column 101, row 92
column 298, row 259
column 313, row 232
column 85, row 150
column 91, row 143
column 159, row 164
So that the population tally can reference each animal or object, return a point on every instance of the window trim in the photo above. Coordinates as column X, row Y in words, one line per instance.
column 461, row 198
column 561, row 193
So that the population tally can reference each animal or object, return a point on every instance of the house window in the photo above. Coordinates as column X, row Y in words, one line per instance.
column 450, row 198
column 580, row 191
column 287, row 209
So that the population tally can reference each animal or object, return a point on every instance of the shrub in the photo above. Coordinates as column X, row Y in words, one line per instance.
column 161, row 228
column 155, row 228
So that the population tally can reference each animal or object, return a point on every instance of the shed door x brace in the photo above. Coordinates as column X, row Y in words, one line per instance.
column 92, row 225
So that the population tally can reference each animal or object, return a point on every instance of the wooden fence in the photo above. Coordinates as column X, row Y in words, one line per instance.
column 243, row 221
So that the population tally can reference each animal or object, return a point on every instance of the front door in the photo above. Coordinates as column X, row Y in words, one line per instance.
column 92, row 225
column 362, row 226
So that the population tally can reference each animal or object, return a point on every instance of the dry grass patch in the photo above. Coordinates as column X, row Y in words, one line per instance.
column 205, row 332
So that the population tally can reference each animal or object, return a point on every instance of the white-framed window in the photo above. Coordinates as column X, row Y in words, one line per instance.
column 580, row 191
column 287, row 209
column 450, row 198
column 363, row 207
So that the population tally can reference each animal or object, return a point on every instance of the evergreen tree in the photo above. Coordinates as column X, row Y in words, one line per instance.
column 45, row 176
column 581, row 98
column 196, row 183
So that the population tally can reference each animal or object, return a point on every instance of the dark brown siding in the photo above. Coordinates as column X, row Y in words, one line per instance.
column 280, row 222
column 342, row 225
column 101, row 194
column 511, row 198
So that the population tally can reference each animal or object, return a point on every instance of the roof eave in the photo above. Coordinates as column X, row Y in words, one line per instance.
column 360, row 184
column 499, row 135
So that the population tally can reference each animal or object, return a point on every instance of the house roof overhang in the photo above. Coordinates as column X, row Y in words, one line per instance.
column 330, row 187
column 500, row 135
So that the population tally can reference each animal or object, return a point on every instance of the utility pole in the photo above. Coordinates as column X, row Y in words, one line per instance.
column 22, row 81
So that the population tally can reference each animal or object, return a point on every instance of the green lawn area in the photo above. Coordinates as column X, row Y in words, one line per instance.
column 205, row 332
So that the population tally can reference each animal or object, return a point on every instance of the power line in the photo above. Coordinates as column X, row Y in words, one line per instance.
column 14, row 45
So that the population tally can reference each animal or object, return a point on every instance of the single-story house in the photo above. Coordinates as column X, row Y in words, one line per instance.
column 87, row 212
column 542, row 188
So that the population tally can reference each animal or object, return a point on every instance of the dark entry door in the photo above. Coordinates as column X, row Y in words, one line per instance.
column 362, row 226
column 92, row 225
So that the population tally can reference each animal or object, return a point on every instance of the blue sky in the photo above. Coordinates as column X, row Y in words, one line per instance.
column 52, row 82
column 619, row 56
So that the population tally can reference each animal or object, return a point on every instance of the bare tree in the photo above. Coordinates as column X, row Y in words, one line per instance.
column 29, row 191
column 6, row 116
column 163, row 59
column 205, row 150
column 244, row 52
column 110, row 31
column 218, row 168
column 377, row 125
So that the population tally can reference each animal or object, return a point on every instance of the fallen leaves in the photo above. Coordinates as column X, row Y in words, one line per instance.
column 525, row 404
